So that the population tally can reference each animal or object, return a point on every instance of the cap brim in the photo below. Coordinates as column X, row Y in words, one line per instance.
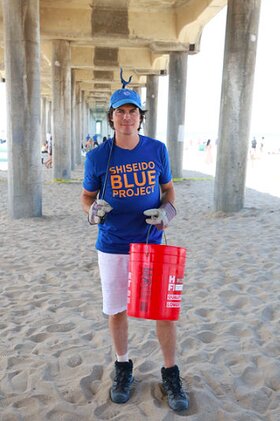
column 125, row 101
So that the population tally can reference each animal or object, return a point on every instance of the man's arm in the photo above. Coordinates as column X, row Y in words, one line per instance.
column 168, row 192
column 87, row 199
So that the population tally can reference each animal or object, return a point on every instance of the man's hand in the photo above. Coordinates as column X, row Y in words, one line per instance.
column 162, row 216
column 98, row 211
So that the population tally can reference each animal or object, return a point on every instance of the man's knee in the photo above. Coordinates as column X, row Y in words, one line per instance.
column 166, row 323
column 118, row 316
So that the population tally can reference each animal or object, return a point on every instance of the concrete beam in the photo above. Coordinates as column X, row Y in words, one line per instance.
column 137, row 35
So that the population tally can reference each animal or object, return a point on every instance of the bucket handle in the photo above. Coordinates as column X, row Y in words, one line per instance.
column 147, row 239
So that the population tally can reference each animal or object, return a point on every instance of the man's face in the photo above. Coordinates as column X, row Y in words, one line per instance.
column 126, row 119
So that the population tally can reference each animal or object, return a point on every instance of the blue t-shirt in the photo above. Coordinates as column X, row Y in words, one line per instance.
column 133, row 185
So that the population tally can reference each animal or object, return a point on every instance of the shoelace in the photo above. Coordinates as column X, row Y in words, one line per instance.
column 122, row 378
column 175, row 384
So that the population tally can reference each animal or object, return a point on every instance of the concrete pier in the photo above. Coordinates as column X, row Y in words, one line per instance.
column 236, row 104
column 78, row 136
column 43, row 120
column 61, row 92
column 22, row 65
column 176, row 110
column 151, row 106
column 49, row 117
column 73, row 119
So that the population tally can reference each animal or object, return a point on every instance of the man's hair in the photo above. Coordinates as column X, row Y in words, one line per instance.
column 110, row 114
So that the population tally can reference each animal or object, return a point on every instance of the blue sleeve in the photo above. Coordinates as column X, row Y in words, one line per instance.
column 91, row 180
column 165, row 175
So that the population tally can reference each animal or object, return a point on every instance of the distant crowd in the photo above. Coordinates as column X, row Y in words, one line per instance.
column 90, row 143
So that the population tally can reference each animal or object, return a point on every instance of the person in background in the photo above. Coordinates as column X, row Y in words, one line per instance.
column 208, row 152
column 128, row 188
column 254, row 143
column 48, row 162
column 44, row 151
column 95, row 140
column 89, row 144
column 253, row 148
column 262, row 145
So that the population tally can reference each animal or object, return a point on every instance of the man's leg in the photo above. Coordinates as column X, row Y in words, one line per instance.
column 114, row 280
column 120, row 390
column 166, row 333
column 171, row 381
column 118, row 326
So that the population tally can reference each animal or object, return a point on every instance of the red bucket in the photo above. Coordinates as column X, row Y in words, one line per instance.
column 155, row 284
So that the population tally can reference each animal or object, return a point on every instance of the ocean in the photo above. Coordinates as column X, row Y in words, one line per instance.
column 3, row 157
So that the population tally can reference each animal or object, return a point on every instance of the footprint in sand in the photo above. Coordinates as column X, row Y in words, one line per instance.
column 61, row 327
column 251, row 377
column 107, row 412
column 74, row 361
column 268, row 313
column 147, row 366
column 206, row 336
column 89, row 384
column 40, row 337
column 202, row 312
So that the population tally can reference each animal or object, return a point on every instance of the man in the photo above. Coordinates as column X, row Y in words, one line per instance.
column 126, row 179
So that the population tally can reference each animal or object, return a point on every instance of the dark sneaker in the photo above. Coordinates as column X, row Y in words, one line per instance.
column 123, row 380
column 172, row 385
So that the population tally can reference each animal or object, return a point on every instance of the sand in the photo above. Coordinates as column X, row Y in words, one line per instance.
column 56, row 357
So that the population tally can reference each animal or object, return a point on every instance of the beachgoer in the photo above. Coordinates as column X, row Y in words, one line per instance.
column 253, row 148
column 48, row 162
column 95, row 140
column 128, row 188
column 89, row 143
column 254, row 143
column 208, row 152
column 44, row 151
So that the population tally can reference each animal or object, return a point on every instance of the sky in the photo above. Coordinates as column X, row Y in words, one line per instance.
column 204, row 76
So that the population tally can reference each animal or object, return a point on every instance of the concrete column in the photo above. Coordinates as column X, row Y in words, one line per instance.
column 90, row 121
column 22, row 66
column 236, row 104
column 151, row 106
column 43, row 120
column 73, row 119
column 49, row 117
column 78, row 125
column 61, row 93
column 104, row 126
column 176, row 110
column 86, row 116
column 83, row 125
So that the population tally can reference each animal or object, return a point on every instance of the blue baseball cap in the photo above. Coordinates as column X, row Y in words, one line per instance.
column 125, row 96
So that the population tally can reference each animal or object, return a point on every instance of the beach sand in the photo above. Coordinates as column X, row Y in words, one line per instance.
column 56, row 357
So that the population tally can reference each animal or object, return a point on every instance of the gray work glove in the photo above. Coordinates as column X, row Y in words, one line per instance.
column 98, row 211
column 161, row 216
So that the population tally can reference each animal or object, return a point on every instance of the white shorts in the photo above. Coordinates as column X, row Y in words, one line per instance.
column 113, row 269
